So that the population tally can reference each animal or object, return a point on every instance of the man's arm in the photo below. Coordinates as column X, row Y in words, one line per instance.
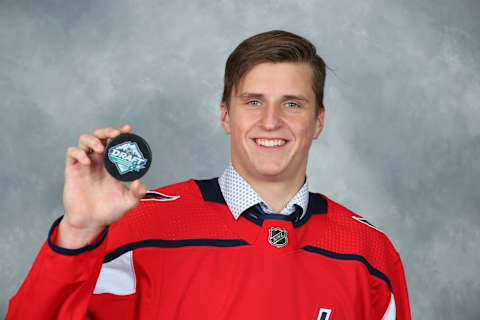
column 63, row 276
column 60, row 282
column 400, row 292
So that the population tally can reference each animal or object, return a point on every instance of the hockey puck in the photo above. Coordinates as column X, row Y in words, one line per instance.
column 127, row 157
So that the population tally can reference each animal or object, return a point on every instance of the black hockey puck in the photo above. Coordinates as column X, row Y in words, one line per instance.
column 127, row 157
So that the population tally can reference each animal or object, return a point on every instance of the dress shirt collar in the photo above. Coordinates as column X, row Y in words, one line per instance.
column 239, row 195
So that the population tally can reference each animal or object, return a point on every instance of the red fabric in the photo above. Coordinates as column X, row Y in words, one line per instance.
column 255, row 281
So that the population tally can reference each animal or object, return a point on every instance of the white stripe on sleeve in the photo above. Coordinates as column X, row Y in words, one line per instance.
column 117, row 276
column 391, row 311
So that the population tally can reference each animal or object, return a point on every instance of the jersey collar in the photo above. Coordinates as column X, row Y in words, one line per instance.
column 210, row 190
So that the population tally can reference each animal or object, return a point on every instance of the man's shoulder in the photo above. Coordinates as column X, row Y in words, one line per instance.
column 342, row 215
column 188, row 190
column 343, row 231
column 171, row 211
column 175, row 199
column 180, row 190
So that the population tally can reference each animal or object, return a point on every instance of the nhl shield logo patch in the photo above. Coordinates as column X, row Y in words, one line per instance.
column 277, row 237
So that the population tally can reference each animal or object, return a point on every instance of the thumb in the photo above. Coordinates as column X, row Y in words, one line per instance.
column 138, row 189
column 135, row 193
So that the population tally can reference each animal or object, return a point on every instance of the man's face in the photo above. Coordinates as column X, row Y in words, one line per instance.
column 272, row 122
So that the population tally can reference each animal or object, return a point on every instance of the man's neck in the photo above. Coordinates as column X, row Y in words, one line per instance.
column 276, row 193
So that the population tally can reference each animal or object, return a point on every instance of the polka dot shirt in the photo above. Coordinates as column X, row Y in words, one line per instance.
column 240, row 196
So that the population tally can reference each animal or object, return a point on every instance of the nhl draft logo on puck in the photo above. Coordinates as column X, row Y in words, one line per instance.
column 127, row 157
column 277, row 237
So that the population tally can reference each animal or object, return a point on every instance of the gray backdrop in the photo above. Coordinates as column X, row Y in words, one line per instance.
column 400, row 146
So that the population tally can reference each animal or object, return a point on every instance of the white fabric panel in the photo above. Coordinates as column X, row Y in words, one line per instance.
column 391, row 310
column 117, row 276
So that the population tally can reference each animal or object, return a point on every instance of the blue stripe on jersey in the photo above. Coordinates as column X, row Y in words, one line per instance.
column 345, row 256
column 174, row 244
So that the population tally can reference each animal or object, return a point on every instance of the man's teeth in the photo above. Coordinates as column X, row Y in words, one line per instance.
column 270, row 142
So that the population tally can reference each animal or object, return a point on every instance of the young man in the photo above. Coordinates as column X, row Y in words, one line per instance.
column 253, row 243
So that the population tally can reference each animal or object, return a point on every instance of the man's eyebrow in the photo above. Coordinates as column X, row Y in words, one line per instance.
column 250, row 95
column 295, row 97
column 261, row 95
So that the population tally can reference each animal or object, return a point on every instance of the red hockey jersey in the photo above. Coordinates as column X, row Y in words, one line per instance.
column 181, row 255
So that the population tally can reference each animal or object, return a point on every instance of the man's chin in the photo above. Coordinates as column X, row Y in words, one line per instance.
column 271, row 172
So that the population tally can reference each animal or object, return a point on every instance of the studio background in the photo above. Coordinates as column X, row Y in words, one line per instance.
column 400, row 146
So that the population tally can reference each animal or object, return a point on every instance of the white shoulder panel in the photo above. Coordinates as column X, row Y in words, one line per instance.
column 117, row 276
column 391, row 310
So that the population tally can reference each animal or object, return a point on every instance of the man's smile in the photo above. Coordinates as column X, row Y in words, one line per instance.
column 270, row 142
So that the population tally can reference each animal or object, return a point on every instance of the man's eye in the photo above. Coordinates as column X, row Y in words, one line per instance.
column 292, row 105
column 254, row 102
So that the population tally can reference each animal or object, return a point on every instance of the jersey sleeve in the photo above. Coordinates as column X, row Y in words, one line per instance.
column 60, row 282
column 400, row 292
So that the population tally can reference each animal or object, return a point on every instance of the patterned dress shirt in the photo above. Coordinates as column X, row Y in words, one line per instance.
column 240, row 196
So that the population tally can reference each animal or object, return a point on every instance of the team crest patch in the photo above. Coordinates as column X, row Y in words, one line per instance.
column 157, row 196
column 277, row 237
column 127, row 157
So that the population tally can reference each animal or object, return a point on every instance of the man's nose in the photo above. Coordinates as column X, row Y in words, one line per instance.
column 271, row 117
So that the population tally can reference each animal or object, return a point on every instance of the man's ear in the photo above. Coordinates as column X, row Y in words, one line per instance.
column 225, row 117
column 319, row 123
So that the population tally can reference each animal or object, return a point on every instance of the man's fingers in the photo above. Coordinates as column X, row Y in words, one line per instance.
column 88, row 142
column 110, row 132
column 93, row 144
column 106, row 133
column 125, row 128
column 75, row 154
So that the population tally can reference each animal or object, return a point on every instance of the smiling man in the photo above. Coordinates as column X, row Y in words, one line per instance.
column 254, row 243
column 272, row 117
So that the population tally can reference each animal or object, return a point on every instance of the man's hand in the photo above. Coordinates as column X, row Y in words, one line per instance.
column 92, row 198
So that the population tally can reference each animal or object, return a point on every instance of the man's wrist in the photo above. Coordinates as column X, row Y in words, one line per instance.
column 70, row 237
